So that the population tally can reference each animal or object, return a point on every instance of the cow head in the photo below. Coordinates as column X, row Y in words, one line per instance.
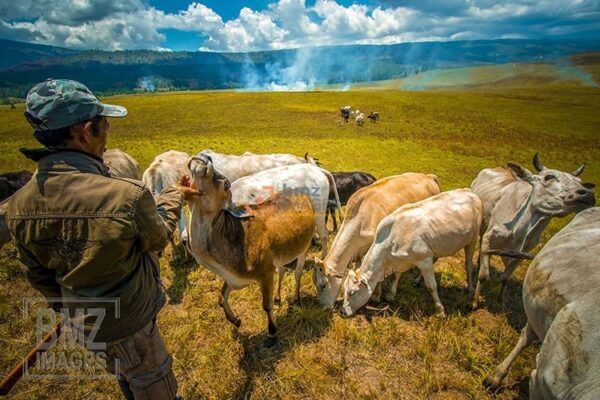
column 213, row 185
column 556, row 193
column 356, row 293
column 328, row 285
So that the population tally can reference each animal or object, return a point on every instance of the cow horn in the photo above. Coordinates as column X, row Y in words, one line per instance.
column 210, row 170
column 537, row 163
column 579, row 170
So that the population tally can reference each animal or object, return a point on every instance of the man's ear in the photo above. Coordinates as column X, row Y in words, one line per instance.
column 87, row 129
column 520, row 172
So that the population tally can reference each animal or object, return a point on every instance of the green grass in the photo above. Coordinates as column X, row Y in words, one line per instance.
column 401, row 351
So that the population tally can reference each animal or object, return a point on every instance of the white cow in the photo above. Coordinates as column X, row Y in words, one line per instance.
column 360, row 119
column 365, row 209
column 235, row 167
column 561, row 294
column 300, row 178
column 522, row 211
column 415, row 235
column 121, row 164
column 164, row 171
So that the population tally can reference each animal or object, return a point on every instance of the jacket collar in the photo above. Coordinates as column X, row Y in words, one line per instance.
column 63, row 159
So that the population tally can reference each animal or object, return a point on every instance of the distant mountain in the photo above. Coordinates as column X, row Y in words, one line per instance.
column 300, row 69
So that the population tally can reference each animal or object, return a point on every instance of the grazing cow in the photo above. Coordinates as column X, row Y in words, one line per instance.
column 345, row 112
column 249, row 250
column 522, row 212
column 373, row 116
column 235, row 167
column 346, row 183
column 365, row 209
column 164, row 171
column 416, row 235
column 360, row 119
column 121, row 164
column 303, row 178
column 10, row 182
column 561, row 293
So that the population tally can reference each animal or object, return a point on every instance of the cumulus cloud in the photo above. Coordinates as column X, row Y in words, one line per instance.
column 134, row 24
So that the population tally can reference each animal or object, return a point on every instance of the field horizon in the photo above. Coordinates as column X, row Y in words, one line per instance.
column 396, row 350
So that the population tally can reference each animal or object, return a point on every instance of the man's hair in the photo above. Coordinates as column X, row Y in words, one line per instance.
column 59, row 137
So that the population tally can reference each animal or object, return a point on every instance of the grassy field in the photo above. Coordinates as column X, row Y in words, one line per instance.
column 399, row 350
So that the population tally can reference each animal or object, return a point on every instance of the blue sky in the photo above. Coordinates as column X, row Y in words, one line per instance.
column 223, row 25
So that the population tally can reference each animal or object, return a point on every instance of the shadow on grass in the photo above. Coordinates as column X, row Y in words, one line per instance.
column 182, row 267
column 300, row 324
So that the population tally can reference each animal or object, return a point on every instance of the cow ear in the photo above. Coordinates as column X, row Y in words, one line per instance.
column 588, row 185
column 520, row 172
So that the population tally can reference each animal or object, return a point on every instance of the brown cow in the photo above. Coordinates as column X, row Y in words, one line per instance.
column 246, row 250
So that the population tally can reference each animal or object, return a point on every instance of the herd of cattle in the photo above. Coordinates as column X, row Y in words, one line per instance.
column 348, row 113
column 257, row 213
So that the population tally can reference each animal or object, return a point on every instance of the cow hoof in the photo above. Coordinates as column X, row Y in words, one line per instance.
column 490, row 384
column 277, row 301
column 271, row 341
column 389, row 298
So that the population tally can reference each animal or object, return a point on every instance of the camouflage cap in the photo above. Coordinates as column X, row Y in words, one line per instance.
column 57, row 103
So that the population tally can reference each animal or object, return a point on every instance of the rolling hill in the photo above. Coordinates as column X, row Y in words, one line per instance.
column 299, row 69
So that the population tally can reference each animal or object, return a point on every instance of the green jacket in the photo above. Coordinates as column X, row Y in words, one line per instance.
column 85, row 235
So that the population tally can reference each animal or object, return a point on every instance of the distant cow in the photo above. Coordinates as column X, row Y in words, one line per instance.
column 522, row 210
column 121, row 164
column 561, row 296
column 345, row 112
column 10, row 182
column 360, row 119
column 373, row 116
column 347, row 183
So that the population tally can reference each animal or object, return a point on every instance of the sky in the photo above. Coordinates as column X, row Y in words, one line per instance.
column 241, row 26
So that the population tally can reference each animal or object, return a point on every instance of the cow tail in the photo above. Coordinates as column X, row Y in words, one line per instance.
column 335, row 192
column 510, row 253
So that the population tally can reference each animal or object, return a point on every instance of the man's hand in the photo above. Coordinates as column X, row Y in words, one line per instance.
column 184, row 186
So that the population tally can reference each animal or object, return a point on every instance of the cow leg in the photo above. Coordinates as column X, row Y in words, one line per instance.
column 391, row 293
column 510, row 264
column 469, row 253
column 527, row 336
column 376, row 296
column 298, row 274
column 280, row 275
column 266, row 288
column 323, row 236
column 484, row 274
column 426, row 268
column 334, row 218
column 224, row 302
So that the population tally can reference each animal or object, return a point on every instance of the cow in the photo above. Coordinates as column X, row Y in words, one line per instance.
column 346, row 183
column 561, row 293
column 246, row 250
column 235, row 167
column 4, row 231
column 365, row 209
column 373, row 116
column 10, row 182
column 164, row 171
column 305, row 178
column 121, row 164
column 360, row 119
column 417, row 234
column 345, row 112
column 523, row 211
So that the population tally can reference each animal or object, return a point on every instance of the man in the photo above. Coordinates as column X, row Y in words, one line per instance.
column 85, row 236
